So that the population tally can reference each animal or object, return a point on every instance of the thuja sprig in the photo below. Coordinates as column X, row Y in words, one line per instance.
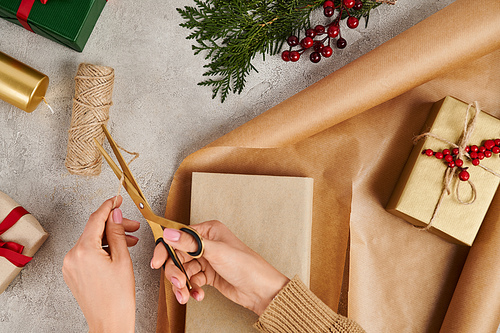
column 230, row 33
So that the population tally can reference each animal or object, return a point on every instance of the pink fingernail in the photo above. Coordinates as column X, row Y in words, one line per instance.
column 132, row 236
column 151, row 264
column 171, row 234
column 196, row 296
column 117, row 216
column 178, row 295
column 176, row 282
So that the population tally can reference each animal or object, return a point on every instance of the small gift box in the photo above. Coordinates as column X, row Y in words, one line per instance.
column 452, row 173
column 20, row 237
column 68, row 22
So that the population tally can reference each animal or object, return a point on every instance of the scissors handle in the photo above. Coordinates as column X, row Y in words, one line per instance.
column 175, row 259
column 199, row 252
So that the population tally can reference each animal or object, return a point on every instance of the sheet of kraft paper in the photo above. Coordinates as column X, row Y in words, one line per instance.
column 354, row 139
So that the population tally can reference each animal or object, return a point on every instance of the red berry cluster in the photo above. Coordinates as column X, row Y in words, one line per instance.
column 320, row 46
column 476, row 154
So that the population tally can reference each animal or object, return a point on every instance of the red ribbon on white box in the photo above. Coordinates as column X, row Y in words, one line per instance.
column 10, row 250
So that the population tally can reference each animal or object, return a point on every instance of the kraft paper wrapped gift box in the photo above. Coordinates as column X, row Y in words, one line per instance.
column 26, row 232
column 68, row 22
column 420, row 185
column 272, row 215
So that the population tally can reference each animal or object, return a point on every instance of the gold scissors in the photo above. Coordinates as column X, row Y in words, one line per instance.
column 155, row 222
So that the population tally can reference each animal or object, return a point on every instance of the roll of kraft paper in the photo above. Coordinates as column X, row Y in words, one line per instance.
column 475, row 306
column 20, row 85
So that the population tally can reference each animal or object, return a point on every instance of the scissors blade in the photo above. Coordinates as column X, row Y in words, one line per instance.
column 136, row 196
column 140, row 201
column 127, row 184
column 121, row 160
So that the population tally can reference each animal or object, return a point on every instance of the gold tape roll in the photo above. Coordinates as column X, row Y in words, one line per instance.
column 21, row 85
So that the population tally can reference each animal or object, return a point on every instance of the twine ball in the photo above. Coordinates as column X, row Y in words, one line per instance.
column 93, row 91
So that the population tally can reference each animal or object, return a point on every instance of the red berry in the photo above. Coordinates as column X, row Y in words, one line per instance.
column 293, row 41
column 428, row 152
column 474, row 148
column 480, row 155
column 318, row 46
column 341, row 43
column 482, row 149
column 315, row 57
column 446, row 152
column 451, row 164
column 328, row 11
column 294, row 56
column 352, row 22
column 467, row 149
column 349, row 3
column 319, row 29
column 489, row 144
column 464, row 175
column 455, row 151
column 358, row 5
column 459, row 162
column 439, row 155
column 475, row 162
column 307, row 42
column 285, row 55
column 487, row 153
column 328, row 3
column 473, row 155
column 497, row 142
column 327, row 52
column 448, row 158
column 495, row 150
column 333, row 31
column 311, row 33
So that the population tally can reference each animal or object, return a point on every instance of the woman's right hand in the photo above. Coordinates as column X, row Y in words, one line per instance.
column 227, row 264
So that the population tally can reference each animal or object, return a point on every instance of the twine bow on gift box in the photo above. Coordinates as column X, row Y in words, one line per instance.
column 10, row 250
column 452, row 172
column 24, row 11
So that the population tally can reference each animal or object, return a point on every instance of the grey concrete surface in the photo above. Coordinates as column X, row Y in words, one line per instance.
column 158, row 110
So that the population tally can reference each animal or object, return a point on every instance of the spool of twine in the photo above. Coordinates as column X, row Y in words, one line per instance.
column 93, row 91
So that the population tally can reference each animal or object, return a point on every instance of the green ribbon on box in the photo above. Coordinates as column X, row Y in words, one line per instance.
column 68, row 22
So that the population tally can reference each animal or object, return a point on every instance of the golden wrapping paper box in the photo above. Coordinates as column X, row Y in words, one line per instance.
column 417, row 194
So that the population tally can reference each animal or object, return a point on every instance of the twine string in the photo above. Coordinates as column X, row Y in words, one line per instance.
column 48, row 105
column 451, row 173
column 91, row 103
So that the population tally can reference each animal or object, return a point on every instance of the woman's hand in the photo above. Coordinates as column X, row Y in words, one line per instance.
column 227, row 264
column 103, row 281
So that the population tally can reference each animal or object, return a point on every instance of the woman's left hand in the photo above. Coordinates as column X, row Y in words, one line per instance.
column 103, row 281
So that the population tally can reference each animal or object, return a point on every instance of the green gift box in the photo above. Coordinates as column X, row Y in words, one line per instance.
column 68, row 22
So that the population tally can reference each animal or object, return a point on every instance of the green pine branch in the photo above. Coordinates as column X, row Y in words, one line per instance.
column 230, row 33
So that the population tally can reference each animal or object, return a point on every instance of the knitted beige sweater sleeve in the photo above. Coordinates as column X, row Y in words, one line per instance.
column 296, row 309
